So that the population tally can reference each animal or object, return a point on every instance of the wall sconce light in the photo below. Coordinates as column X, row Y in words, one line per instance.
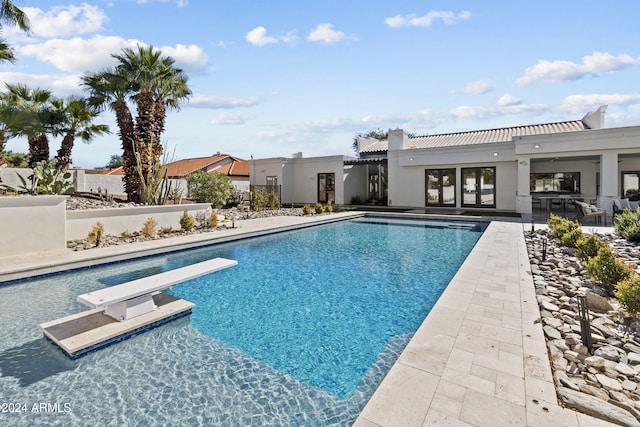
column 411, row 158
column 523, row 162
column 495, row 154
column 536, row 146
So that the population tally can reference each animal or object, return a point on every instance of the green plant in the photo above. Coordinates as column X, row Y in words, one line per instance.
column 306, row 210
column 627, row 225
column 213, row 221
column 571, row 238
column 149, row 227
column 186, row 221
column 356, row 200
column 96, row 233
column 628, row 294
column 319, row 208
column 329, row 207
column 560, row 226
column 214, row 188
column 606, row 268
column 588, row 247
column 48, row 179
column 273, row 201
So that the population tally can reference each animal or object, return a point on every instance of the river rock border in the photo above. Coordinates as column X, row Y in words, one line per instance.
column 604, row 382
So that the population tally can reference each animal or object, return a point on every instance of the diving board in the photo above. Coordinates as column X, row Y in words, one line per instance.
column 122, row 311
column 134, row 298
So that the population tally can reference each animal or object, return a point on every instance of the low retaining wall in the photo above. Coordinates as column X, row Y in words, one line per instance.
column 116, row 221
column 31, row 224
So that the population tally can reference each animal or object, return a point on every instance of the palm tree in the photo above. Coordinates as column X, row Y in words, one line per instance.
column 108, row 90
column 152, row 81
column 11, row 15
column 36, row 103
column 12, row 121
column 77, row 118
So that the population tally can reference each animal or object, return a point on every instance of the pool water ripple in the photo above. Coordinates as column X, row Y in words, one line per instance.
column 233, row 362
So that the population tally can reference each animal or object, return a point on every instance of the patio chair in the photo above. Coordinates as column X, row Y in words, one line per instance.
column 585, row 211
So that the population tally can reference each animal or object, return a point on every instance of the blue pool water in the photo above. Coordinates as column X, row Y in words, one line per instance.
column 300, row 332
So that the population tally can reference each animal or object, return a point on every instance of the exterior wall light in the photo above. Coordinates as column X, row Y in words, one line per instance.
column 495, row 154
column 536, row 146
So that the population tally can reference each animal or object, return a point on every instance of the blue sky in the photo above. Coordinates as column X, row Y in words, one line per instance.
column 277, row 77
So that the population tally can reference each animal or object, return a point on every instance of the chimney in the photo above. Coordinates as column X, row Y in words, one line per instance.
column 595, row 119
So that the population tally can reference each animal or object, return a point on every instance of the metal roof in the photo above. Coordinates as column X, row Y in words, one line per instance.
column 481, row 136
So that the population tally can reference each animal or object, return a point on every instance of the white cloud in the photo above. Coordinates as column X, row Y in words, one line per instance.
column 326, row 34
column 595, row 64
column 580, row 104
column 427, row 20
column 190, row 58
column 258, row 37
column 231, row 119
column 477, row 87
column 77, row 54
column 63, row 21
column 507, row 100
column 215, row 102
column 61, row 85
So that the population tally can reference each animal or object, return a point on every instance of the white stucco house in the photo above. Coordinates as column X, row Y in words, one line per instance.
column 506, row 169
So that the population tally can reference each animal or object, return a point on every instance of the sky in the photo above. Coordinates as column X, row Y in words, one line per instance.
column 277, row 77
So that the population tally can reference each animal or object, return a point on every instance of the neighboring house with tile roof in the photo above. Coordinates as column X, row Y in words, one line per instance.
column 111, row 180
column 504, row 169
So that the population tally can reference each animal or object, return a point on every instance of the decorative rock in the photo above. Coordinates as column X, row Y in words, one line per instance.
column 596, row 407
column 629, row 385
column 552, row 333
column 594, row 391
column 549, row 306
column 608, row 352
column 594, row 361
column 581, row 349
column 597, row 303
column 572, row 339
column 625, row 369
column 609, row 383
column 633, row 359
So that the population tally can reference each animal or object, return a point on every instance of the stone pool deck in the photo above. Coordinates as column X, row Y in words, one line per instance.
column 479, row 358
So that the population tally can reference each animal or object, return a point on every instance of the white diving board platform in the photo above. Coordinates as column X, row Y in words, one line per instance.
column 121, row 311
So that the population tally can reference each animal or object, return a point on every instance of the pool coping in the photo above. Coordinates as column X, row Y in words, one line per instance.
column 479, row 358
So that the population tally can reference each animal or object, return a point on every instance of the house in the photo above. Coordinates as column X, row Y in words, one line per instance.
column 111, row 180
column 505, row 169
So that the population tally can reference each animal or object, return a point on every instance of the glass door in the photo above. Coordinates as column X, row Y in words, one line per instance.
column 326, row 187
column 440, row 187
column 479, row 187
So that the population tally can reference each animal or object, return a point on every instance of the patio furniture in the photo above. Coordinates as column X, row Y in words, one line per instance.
column 585, row 211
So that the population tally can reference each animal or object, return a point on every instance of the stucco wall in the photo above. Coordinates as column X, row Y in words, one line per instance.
column 32, row 224
column 116, row 221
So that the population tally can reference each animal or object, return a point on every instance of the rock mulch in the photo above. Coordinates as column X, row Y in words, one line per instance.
column 603, row 382
column 225, row 218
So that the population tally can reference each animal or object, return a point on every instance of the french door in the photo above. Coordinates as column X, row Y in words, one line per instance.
column 479, row 187
column 326, row 187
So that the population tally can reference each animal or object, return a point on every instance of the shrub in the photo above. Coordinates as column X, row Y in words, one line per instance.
column 588, row 247
column 186, row 221
column 214, row 188
column 125, row 235
column 166, row 230
column 273, row 201
column 319, row 208
column 356, row 200
column 329, row 207
column 96, row 233
column 213, row 221
column 306, row 209
column 149, row 227
column 606, row 268
column 560, row 226
column 203, row 220
column 627, row 225
column 628, row 294
column 571, row 238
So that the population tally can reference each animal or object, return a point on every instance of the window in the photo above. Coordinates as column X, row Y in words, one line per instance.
column 631, row 185
column 555, row 182
column 272, row 181
column 479, row 187
column 440, row 187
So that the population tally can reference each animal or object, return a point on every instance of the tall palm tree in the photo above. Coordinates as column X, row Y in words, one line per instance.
column 108, row 90
column 154, row 84
column 37, row 103
column 77, row 121
column 11, row 15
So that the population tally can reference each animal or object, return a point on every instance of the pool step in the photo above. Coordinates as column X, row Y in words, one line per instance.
column 82, row 333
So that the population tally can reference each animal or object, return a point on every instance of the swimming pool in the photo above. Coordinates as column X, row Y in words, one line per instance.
column 300, row 332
